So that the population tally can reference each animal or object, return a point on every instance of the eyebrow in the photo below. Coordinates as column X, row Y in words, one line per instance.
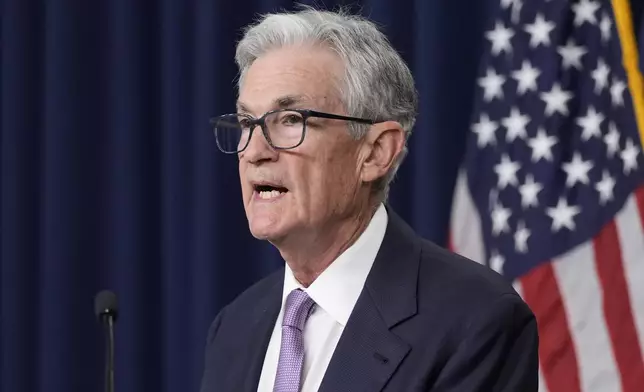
column 283, row 102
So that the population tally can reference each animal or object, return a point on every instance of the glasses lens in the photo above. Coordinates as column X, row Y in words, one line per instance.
column 285, row 128
column 231, row 132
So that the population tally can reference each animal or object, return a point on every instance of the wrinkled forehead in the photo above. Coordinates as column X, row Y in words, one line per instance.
column 287, row 101
column 292, row 77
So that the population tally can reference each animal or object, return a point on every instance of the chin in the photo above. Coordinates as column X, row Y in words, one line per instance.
column 265, row 229
column 267, row 219
column 260, row 234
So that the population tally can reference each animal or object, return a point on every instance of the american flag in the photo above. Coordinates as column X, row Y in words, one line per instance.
column 550, row 192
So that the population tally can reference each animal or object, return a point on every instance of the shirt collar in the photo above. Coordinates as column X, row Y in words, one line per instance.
column 338, row 287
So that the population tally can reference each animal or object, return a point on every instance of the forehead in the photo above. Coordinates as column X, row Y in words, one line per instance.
column 294, row 76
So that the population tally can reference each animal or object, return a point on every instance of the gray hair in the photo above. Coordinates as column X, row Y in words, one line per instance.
column 377, row 83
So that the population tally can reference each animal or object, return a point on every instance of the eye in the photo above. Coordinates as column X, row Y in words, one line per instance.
column 291, row 119
column 244, row 123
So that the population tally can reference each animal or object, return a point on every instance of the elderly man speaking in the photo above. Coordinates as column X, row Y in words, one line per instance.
column 324, row 112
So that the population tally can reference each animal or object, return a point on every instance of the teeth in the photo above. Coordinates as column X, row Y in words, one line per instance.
column 269, row 194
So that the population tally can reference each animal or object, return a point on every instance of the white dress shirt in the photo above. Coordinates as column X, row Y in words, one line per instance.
column 335, row 293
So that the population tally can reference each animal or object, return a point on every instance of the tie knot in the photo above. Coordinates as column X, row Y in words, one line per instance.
column 298, row 308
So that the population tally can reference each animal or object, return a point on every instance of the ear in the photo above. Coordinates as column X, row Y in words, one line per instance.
column 383, row 143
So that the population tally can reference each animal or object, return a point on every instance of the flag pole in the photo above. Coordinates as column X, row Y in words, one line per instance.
column 630, row 58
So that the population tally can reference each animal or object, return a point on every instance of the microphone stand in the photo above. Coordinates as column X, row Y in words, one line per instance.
column 109, row 363
column 106, row 310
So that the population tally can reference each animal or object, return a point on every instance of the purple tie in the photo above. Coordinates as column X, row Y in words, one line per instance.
column 297, row 310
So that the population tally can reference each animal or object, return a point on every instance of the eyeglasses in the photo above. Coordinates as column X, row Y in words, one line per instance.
column 283, row 128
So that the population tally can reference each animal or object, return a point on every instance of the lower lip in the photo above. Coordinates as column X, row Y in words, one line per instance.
column 257, row 198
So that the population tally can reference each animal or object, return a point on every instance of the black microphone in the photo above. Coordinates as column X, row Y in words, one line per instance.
column 106, row 309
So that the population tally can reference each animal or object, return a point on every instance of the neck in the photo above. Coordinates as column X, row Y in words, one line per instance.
column 310, row 256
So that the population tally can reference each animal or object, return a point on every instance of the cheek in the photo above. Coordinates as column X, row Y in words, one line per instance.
column 343, row 162
column 339, row 177
column 327, row 177
column 245, row 187
column 314, row 184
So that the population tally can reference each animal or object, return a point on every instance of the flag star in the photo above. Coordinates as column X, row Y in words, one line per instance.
column 585, row 12
column 577, row 170
column 590, row 124
column 556, row 100
column 492, row 85
column 507, row 171
column 516, row 125
column 562, row 215
column 605, row 188
column 497, row 261
column 500, row 216
column 542, row 145
column 539, row 31
column 612, row 140
column 617, row 92
column 629, row 156
column 526, row 78
column 500, row 38
column 600, row 76
column 571, row 54
column 521, row 238
column 485, row 130
column 605, row 26
column 529, row 191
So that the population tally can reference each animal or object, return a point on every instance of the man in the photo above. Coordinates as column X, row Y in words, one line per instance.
column 324, row 111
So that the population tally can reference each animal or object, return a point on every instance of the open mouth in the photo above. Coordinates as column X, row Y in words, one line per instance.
column 268, row 192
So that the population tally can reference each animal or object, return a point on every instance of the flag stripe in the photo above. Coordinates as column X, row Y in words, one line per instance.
column 465, row 231
column 581, row 294
column 542, row 382
column 556, row 350
column 639, row 198
column 616, row 304
column 630, row 228
column 543, row 387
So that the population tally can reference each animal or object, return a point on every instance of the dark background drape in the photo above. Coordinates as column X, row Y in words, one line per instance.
column 110, row 177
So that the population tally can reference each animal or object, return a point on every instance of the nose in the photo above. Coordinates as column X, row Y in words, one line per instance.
column 258, row 149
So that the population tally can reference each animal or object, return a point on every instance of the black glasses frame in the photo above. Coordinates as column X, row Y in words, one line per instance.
column 261, row 122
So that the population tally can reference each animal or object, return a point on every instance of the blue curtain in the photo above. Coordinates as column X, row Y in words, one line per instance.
column 110, row 177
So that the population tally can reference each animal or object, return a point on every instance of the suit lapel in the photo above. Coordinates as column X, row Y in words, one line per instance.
column 246, row 376
column 368, row 352
column 365, row 358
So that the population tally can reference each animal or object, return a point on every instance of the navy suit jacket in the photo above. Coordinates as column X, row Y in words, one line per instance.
column 426, row 320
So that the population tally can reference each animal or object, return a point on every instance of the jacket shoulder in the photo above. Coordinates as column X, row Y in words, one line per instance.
column 243, row 308
column 254, row 295
column 460, row 279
